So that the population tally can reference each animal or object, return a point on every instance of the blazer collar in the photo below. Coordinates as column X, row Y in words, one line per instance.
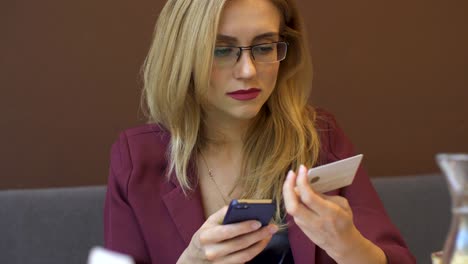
column 186, row 211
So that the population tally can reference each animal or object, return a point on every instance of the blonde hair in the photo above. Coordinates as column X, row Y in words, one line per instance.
column 176, row 69
column 176, row 77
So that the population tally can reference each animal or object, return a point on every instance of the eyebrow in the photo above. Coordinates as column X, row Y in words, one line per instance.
column 230, row 39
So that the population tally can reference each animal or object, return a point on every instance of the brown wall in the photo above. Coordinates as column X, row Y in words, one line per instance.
column 395, row 73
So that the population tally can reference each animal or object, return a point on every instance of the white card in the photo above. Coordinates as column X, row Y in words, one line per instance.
column 99, row 255
column 334, row 175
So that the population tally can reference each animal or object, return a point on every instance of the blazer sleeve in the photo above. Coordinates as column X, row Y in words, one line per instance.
column 368, row 211
column 121, row 229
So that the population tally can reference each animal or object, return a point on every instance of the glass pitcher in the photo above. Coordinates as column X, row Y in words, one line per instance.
column 455, row 169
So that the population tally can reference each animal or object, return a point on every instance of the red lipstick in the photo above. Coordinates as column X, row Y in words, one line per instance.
column 245, row 95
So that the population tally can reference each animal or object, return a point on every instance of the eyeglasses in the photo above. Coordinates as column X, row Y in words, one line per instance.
column 260, row 53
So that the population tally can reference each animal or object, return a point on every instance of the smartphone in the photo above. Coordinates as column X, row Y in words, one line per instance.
column 334, row 175
column 261, row 210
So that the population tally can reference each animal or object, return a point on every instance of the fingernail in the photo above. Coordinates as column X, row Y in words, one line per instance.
column 302, row 169
column 290, row 173
column 256, row 225
column 273, row 229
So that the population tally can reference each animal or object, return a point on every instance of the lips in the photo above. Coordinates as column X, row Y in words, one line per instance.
column 245, row 95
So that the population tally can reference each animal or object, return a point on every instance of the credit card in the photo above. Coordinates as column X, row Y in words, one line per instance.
column 334, row 175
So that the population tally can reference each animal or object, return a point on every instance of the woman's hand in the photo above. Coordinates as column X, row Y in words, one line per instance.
column 327, row 221
column 233, row 243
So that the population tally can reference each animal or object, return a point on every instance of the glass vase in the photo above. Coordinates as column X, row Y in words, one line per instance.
column 455, row 169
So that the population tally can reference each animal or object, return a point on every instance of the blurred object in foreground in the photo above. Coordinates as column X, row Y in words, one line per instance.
column 455, row 169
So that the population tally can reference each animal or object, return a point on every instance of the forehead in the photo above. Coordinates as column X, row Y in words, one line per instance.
column 246, row 19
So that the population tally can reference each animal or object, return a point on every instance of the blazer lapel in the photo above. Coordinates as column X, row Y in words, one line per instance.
column 302, row 248
column 186, row 211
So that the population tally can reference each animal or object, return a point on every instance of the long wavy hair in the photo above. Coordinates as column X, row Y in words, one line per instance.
column 176, row 76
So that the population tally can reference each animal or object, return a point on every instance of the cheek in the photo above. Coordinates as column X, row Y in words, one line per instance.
column 270, row 75
column 213, row 78
column 216, row 79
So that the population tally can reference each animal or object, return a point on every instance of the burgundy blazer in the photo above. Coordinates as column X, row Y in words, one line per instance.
column 149, row 217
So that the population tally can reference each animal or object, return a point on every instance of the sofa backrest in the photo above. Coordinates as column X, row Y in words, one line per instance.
column 420, row 207
column 60, row 225
column 50, row 226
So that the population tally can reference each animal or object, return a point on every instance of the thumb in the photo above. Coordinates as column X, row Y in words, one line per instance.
column 217, row 217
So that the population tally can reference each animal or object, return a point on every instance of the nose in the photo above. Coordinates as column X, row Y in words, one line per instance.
column 245, row 66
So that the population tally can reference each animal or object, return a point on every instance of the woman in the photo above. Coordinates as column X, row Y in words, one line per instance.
column 226, row 84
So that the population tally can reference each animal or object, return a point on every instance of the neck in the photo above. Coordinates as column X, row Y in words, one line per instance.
column 222, row 164
column 225, row 134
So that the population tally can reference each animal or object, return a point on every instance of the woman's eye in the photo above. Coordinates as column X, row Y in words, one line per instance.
column 265, row 49
column 223, row 52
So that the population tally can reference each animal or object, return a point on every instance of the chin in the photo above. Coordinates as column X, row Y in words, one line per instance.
column 247, row 114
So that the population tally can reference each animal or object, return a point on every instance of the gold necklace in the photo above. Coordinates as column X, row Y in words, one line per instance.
column 211, row 175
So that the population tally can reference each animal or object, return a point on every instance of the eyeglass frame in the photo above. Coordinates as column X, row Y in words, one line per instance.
column 251, row 47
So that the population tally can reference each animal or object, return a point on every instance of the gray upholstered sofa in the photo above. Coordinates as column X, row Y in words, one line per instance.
column 53, row 226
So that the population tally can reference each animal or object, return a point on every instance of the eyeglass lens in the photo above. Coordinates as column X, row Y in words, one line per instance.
column 263, row 53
